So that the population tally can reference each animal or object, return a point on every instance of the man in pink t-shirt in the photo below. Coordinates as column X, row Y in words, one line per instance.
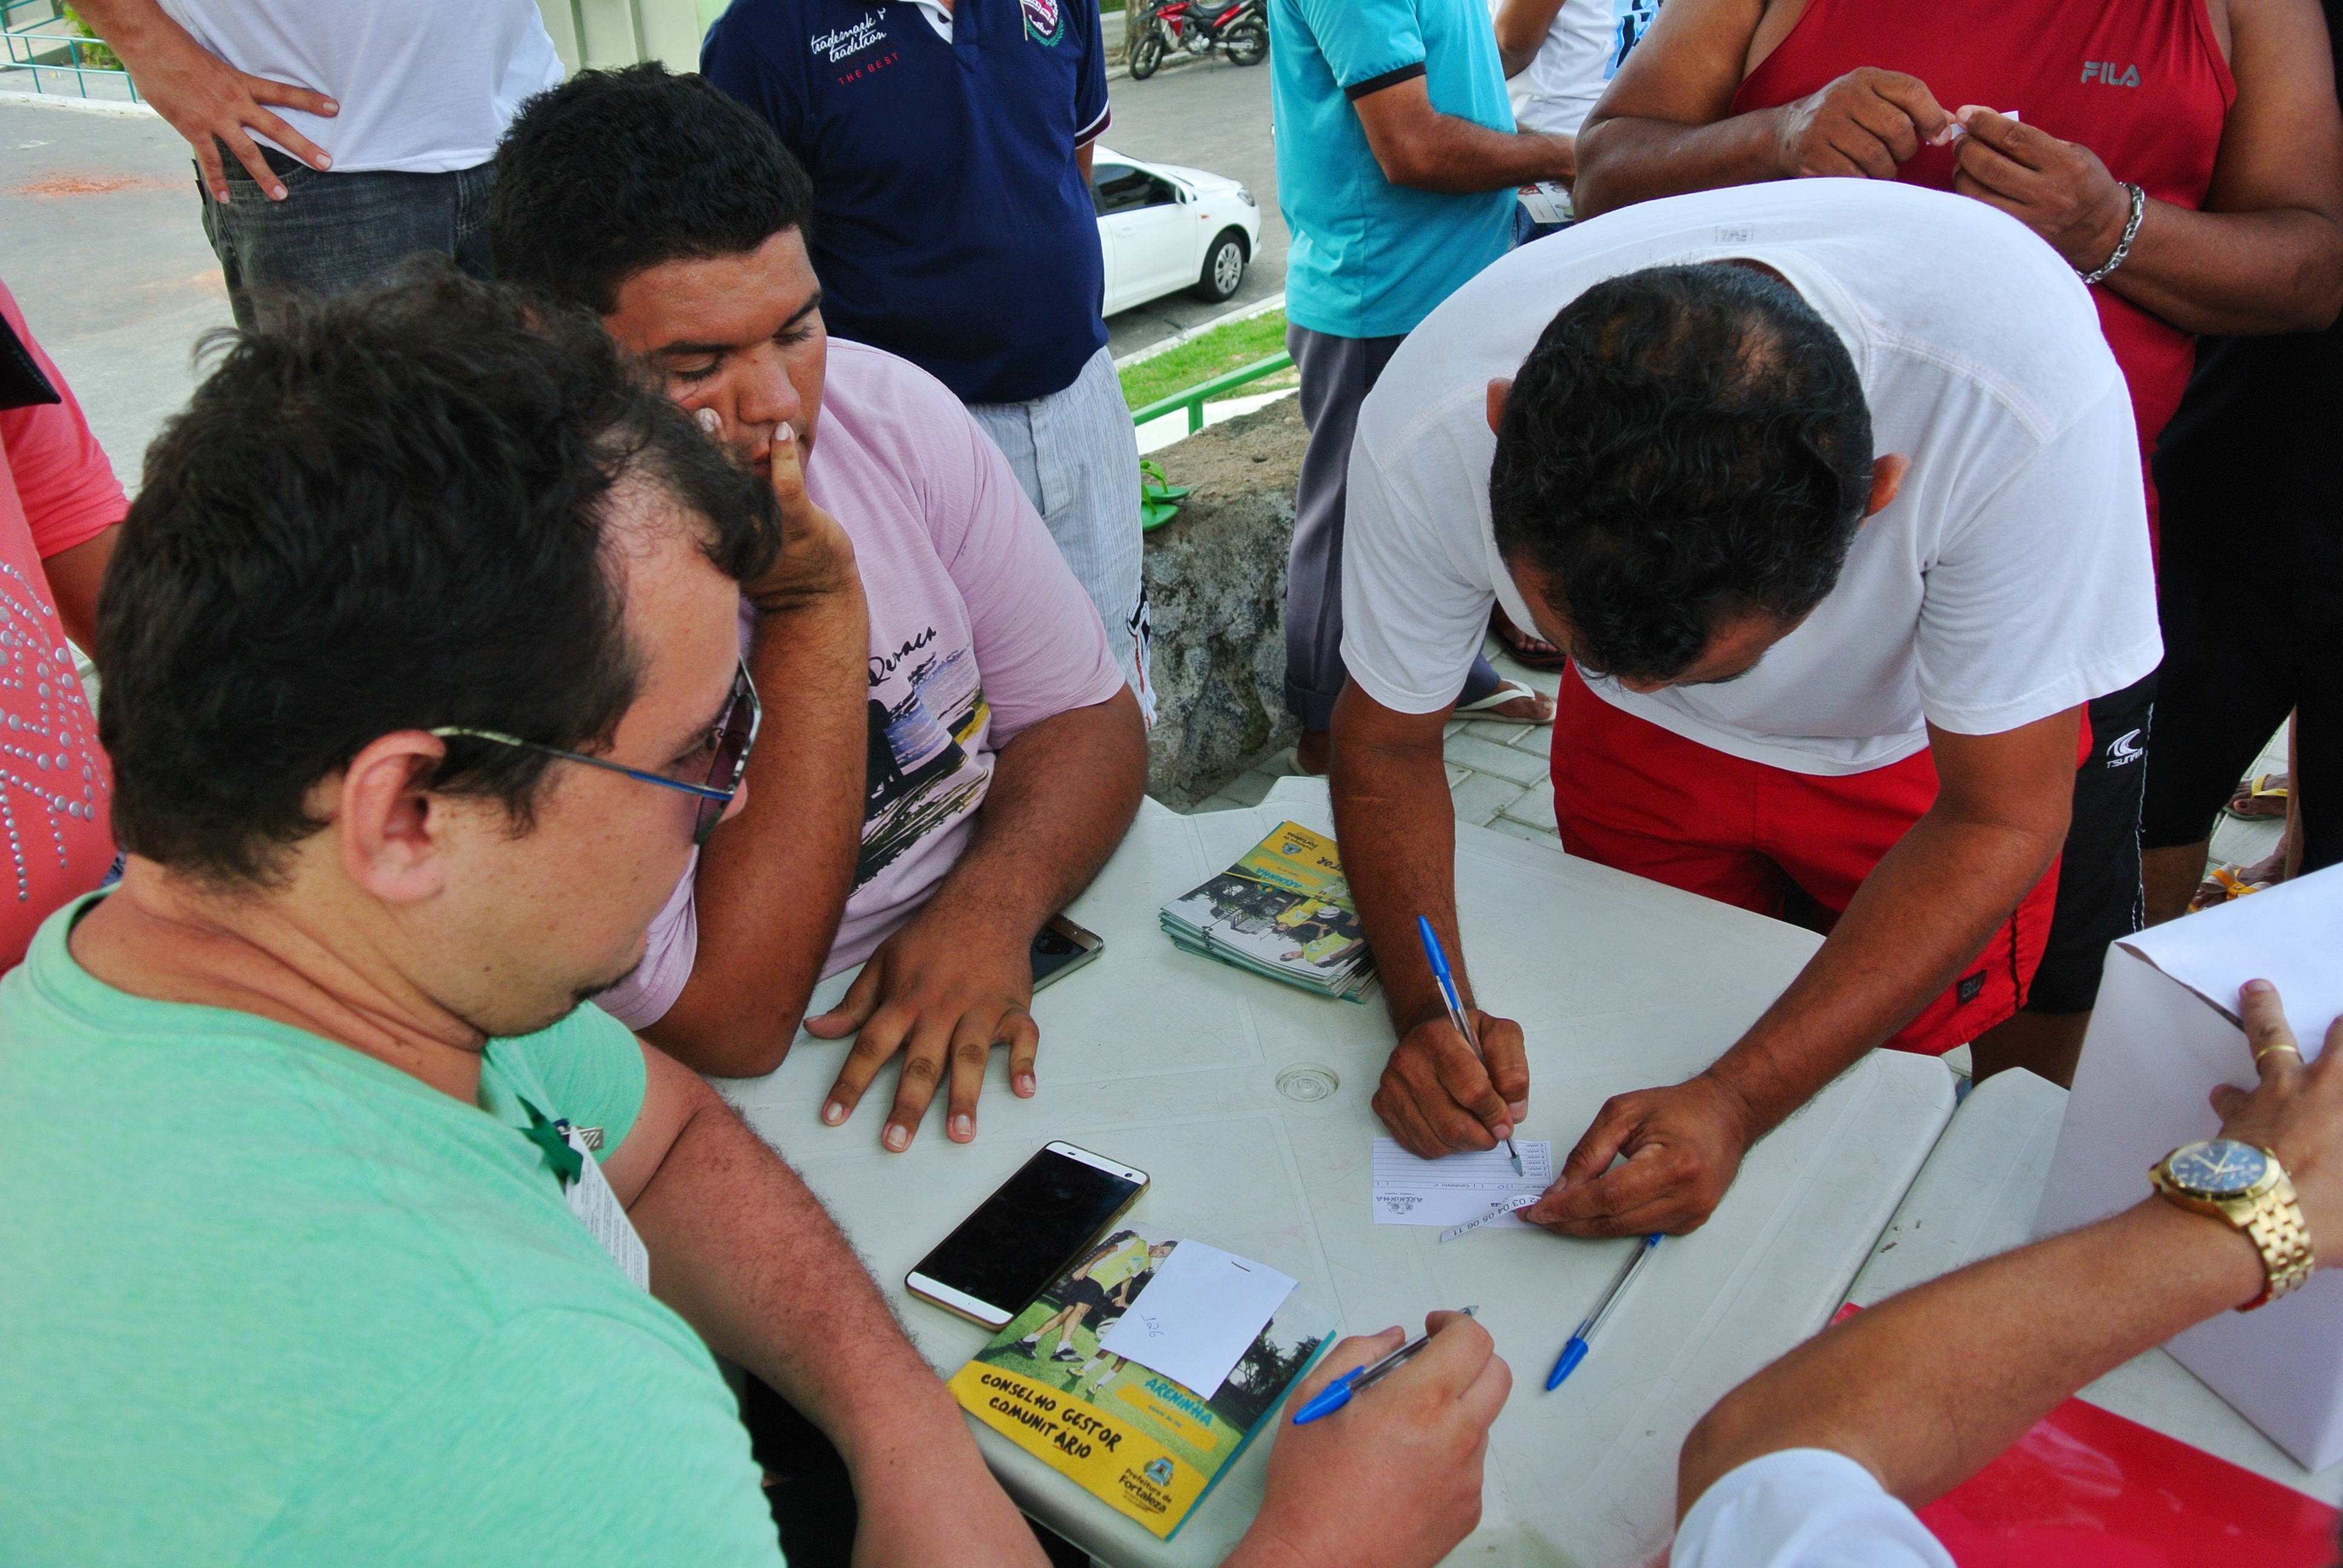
column 60, row 509
column 951, row 751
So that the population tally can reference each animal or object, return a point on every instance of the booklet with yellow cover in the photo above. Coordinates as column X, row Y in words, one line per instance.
column 1148, row 1446
column 1283, row 910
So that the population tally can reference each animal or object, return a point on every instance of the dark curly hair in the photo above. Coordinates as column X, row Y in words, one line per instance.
column 1684, row 445
column 388, row 512
column 615, row 172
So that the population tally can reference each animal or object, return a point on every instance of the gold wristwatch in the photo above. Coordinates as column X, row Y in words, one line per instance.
column 2249, row 1188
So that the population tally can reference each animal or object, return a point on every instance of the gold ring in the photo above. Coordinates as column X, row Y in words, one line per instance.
column 2273, row 1049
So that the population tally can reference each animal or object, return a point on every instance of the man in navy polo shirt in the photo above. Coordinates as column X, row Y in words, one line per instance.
column 948, row 142
column 1397, row 162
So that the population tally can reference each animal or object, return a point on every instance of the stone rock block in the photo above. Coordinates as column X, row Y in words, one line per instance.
column 1216, row 590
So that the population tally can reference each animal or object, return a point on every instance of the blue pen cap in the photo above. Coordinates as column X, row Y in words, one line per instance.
column 1328, row 1400
column 1431, row 948
column 1572, row 1354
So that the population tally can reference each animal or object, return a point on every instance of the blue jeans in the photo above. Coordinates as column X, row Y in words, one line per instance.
column 336, row 231
column 1526, row 229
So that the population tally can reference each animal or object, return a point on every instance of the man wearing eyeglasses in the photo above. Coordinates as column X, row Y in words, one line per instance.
column 336, row 1231
column 412, row 736
column 960, row 759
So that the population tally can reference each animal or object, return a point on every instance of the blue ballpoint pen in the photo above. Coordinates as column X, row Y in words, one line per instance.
column 1447, row 984
column 1337, row 1394
column 1575, row 1351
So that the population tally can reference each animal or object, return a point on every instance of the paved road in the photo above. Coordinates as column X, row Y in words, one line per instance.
column 101, row 242
column 101, row 237
column 1215, row 117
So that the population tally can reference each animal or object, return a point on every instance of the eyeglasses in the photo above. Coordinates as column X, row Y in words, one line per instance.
column 729, row 744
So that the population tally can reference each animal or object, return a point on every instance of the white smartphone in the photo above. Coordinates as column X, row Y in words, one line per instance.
column 1026, row 1234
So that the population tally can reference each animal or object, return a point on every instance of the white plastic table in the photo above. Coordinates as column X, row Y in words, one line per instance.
column 1976, row 1197
column 1204, row 1076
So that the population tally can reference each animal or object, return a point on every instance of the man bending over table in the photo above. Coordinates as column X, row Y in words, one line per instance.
column 1819, row 1460
column 1829, row 490
column 1005, row 754
column 421, row 682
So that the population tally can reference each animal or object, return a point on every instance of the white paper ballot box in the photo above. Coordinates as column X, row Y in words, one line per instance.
column 2165, row 1032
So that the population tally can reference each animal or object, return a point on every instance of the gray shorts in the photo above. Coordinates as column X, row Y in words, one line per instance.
column 1077, row 456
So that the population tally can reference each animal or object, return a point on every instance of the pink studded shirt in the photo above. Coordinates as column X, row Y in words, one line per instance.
column 56, row 491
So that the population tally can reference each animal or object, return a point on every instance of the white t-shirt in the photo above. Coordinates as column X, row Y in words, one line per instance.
column 424, row 86
column 1560, row 84
column 2009, row 581
column 1802, row 1508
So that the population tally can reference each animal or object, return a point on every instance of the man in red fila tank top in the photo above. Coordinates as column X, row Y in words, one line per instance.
column 2186, row 156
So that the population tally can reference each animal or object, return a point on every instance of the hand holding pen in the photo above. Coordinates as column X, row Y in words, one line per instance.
column 1402, row 1464
column 1457, row 1081
column 1438, row 958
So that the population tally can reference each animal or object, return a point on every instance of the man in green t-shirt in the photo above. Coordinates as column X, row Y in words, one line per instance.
column 326, row 1211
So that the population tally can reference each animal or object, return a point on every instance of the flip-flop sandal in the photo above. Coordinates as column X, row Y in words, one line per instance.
column 1533, row 651
column 2224, row 883
column 2262, row 797
column 1507, row 691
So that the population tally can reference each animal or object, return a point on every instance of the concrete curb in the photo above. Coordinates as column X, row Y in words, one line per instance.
column 1189, row 334
column 84, row 105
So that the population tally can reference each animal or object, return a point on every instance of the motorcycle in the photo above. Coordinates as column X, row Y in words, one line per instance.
column 1238, row 28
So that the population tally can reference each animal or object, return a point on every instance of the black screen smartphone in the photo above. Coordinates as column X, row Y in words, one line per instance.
column 1061, row 946
column 1026, row 1234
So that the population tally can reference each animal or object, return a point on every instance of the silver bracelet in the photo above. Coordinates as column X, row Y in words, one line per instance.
column 2130, row 233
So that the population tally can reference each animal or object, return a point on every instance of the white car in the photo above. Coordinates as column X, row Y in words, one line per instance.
column 1163, row 228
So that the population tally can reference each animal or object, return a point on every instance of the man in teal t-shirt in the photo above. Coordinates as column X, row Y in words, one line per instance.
column 327, row 1211
column 1397, row 163
column 323, row 1203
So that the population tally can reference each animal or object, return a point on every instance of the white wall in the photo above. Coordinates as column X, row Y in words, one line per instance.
column 597, row 33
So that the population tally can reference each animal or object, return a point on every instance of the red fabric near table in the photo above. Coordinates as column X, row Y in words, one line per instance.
column 2085, row 1488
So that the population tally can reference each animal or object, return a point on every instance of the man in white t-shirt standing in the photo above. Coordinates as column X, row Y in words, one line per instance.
column 1829, row 490
column 334, row 138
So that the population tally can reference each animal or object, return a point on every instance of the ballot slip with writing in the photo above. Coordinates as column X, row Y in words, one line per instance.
column 1284, row 911
column 1456, row 1191
column 1144, row 1443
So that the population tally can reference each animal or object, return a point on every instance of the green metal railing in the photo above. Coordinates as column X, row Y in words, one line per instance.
column 55, row 54
column 1195, row 398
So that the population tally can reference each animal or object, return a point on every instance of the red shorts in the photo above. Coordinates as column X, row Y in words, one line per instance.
column 1631, row 795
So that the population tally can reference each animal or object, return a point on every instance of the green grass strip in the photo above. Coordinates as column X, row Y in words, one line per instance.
column 1216, row 353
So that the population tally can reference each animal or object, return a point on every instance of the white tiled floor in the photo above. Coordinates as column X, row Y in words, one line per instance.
column 1496, row 771
column 1497, row 778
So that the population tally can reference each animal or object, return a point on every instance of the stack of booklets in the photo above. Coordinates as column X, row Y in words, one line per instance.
column 1283, row 910
column 1148, row 1446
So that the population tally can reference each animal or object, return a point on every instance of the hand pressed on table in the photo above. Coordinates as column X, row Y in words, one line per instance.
column 1683, row 1145
column 2058, row 189
column 943, row 992
column 1393, row 1478
column 1438, row 1096
column 1867, row 123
